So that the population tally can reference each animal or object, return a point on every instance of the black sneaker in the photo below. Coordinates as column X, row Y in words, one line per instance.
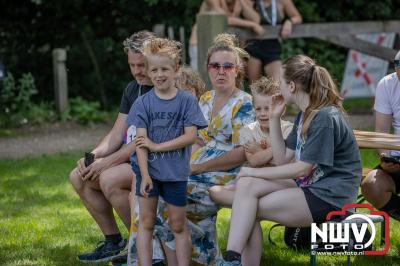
column 105, row 251
column 158, row 263
column 119, row 260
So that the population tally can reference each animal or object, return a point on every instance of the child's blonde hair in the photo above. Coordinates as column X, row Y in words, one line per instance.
column 189, row 79
column 164, row 47
column 264, row 86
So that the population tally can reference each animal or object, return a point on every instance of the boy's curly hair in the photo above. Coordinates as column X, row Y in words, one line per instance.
column 264, row 86
column 190, row 79
column 165, row 47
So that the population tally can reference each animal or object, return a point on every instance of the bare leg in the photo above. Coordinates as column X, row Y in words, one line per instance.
column 147, row 219
column 223, row 195
column 95, row 202
column 170, row 254
column 179, row 227
column 254, row 69
column 273, row 69
column 288, row 207
column 244, row 210
column 253, row 250
column 377, row 188
column 115, row 183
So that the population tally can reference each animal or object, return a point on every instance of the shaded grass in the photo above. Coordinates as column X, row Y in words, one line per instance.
column 42, row 221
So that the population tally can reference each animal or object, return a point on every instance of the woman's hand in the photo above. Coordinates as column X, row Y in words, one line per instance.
column 277, row 106
column 146, row 186
column 258, row 29
column 244, row 172
column 145, row 142
column 286, row 29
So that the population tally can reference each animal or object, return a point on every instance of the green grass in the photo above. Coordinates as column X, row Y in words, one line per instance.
column 42, row 221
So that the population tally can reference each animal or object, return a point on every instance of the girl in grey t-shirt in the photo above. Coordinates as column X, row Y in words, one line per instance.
column 326, row 171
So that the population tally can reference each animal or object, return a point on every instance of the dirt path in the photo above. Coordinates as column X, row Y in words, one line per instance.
column 55, row 138
column 66, row 137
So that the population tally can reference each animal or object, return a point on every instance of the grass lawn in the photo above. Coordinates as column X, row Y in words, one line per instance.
column 42, row 221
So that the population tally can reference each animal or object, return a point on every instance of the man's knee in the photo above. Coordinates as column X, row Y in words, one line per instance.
column 76, row 180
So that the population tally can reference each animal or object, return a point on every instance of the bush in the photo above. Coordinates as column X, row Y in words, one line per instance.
column 83, row 111
column 17, row 108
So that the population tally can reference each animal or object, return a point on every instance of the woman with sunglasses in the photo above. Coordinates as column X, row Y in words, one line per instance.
column 218, row 154
column 382, row 185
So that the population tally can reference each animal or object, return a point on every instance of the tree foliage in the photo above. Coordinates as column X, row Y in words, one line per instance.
column 30, row 29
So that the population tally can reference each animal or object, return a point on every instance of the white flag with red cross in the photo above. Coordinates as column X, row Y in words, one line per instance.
column 363, row 72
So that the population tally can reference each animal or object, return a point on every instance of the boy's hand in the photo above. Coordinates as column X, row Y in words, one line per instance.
column 252, row 147
column 145, row 142
column 277, row 106
column 146, row 186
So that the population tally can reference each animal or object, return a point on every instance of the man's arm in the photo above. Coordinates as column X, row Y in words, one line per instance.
column 114, row 139
column 121, row 156
column 383, row 123
column 108, row 145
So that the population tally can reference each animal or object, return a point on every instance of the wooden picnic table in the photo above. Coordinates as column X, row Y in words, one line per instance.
column 376, row 140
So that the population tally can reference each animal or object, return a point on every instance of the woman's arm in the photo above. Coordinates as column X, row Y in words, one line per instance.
column 291, row 170
column 291, row 12
column 259, row 158
column 293, row 16
column 281, row 154
column 249, row 12
column 229, row 160
column 243, row 23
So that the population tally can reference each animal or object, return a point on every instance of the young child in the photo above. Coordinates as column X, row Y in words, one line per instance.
column 326, row 160
column 167, row 120
column 189, row 80
column 256, row 135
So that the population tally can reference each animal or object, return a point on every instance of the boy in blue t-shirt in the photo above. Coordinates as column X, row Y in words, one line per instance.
column 166, row 121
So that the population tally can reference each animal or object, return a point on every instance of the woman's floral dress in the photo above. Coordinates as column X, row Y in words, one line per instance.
column 221, row 135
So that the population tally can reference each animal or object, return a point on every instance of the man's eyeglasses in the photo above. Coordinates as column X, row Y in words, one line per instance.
column 225, row 66
column 397, row 64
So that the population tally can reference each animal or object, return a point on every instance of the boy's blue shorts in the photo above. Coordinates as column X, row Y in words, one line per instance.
column 173, row 192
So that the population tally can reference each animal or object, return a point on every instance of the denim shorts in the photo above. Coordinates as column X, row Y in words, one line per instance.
column 173, row 192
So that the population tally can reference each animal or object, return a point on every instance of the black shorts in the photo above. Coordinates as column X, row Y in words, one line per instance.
column 318, row 208
column 265, row 50
column 395, row 177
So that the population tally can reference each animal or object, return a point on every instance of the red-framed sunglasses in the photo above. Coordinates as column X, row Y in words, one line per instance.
column 225, row 66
